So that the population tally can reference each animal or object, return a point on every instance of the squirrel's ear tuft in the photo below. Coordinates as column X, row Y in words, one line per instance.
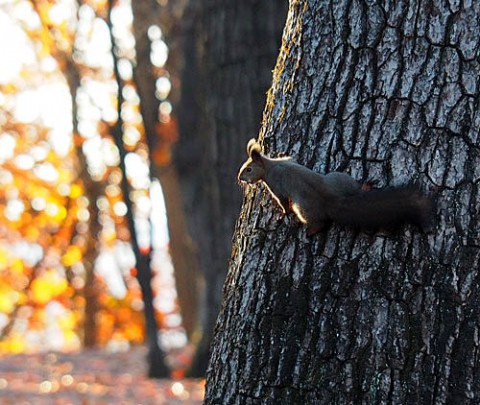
column 253, row 148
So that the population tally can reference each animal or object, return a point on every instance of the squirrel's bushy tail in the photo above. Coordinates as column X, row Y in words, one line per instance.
column 385, row 208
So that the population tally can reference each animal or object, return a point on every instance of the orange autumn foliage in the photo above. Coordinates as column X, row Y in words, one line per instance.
column 45, row 206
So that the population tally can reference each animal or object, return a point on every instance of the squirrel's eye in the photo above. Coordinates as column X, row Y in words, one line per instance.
column 249, row 169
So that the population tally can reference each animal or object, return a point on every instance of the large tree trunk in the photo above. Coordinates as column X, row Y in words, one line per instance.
column 230, row 50
column 390, row 92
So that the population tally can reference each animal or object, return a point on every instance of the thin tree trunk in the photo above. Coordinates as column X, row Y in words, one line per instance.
column 386, row 91
column 92, row 191
column 156, row 357
column 182, row 250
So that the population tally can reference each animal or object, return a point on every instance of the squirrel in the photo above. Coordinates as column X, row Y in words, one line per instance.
column 318, row 199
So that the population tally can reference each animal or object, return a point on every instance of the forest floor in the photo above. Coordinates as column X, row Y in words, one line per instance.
column 90, row 377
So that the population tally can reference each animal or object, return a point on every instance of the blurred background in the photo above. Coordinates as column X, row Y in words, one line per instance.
column 122, row 126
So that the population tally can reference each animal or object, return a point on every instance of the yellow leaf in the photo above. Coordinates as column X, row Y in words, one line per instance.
column 71, row 339
column 47, row 287
column 17, row 266
column 3, row 259
column 16, row 344
column 40, row 290
column 67, row 322
column 75, row 191
column 57, row 213
column 134, row 333
column 72, row 256
column 6, row 303
column 32, row 233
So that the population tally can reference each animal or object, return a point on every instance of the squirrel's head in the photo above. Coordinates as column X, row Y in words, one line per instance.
column 253, row 170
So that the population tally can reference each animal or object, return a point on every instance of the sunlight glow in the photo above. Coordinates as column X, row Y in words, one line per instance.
column 159, row 53
column 64, row 189
column 83, row 215
column 16, row 50
column 48, row 65
column 159, row 49
column 95, row 102
column 165, row 108
column 111, row 263
column 125, row 69
column 163, row 87
column 31, row 253
column 120, row 208
column 23, row 11
column 27, row 108
column 24, row 161
column 14, row 209
column 5, row 177
column 160, row 235
column 122, row 14
column 94, row 47
column 100, row 152
column 137, row 166
column 51, row 210
column 40, row 151
column 50, row 105
column 177, row 388
column 7, row 146
column 38, row 204
column 46, row 172
column 62, row 11
column 131, row 135
column 154, row 33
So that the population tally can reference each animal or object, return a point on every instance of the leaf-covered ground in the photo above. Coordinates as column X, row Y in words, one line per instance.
column 90, row 377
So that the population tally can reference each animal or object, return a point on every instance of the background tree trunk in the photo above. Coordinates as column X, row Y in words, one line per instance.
column 230, row 49
column 386, row 91
column 157, row 367
column 183, row 253
column 93, row 190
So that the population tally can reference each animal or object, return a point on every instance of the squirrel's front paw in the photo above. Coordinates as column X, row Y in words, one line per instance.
column 282, row 215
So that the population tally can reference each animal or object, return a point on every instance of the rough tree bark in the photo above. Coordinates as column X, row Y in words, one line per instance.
column 230, row 50
column 389, row 91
